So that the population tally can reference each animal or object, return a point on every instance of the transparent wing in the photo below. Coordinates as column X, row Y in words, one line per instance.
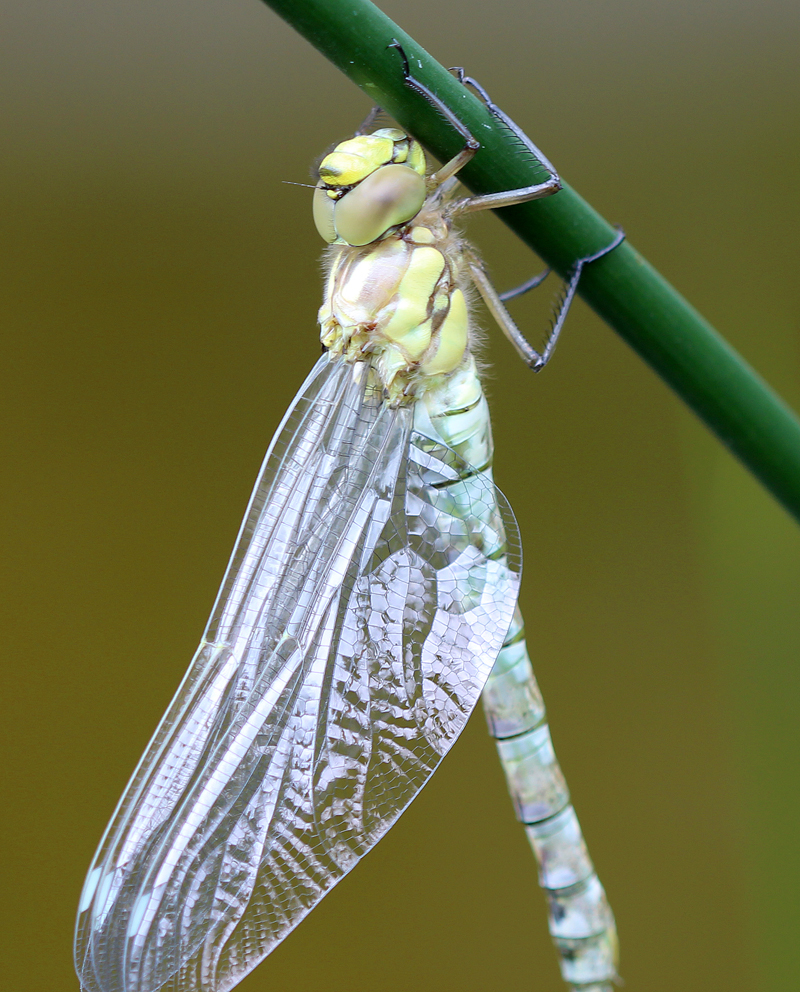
column 369, row 592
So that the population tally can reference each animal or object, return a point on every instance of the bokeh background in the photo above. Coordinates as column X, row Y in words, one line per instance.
column 159, row 294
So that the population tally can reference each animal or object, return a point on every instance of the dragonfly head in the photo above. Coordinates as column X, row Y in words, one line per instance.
column 369, row 185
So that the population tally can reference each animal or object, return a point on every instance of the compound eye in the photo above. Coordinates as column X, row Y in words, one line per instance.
column 390, row 196
column 323, row 214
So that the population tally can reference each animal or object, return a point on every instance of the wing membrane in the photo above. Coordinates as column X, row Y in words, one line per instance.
column 365, row 602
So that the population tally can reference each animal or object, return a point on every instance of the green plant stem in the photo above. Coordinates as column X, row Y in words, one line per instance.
column 622, row 287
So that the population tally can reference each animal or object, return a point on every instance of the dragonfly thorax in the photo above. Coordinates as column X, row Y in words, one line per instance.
column 400, row 304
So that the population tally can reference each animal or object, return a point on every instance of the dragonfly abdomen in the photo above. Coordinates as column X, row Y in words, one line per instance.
column 580, row 920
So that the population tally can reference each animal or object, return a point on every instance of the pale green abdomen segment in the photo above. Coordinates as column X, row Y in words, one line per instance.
column 580, row 920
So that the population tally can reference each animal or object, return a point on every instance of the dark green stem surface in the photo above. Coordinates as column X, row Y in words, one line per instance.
column 622, row 287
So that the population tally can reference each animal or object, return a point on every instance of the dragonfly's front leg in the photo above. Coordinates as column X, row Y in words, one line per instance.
column 489, row 201
column 471, row 144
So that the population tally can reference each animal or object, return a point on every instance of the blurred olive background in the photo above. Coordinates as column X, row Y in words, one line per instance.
column 160, row 287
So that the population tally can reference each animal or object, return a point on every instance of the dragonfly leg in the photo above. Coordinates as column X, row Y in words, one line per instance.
column 493, row 109
column 496, row 306
column 369, row 120
column 503, row 319
column 508, row 198
column 490, row 201
column 471, row 144
column 525, row 287
column 568, row 295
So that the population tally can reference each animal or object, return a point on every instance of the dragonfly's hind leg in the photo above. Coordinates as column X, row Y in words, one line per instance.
column 502, row 317
column 525, row 287
column 495, row 304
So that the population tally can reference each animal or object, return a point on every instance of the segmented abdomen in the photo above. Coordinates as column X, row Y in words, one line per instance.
column 580, row 920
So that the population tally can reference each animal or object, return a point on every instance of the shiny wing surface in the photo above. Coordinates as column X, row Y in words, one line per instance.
column 369, row 592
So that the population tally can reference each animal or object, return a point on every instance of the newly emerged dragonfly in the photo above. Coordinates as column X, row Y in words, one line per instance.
column 369, row 601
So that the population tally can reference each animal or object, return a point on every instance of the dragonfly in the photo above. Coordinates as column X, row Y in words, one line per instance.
column 370, row 600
